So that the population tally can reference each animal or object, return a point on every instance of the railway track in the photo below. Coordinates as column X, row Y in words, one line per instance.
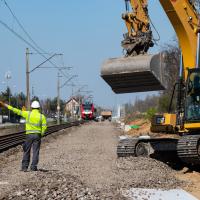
column 14, row 139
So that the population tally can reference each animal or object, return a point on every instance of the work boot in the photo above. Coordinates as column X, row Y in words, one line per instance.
column 34, row 169
column 24, row 169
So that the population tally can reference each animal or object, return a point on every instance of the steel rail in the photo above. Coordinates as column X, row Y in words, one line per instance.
column 15, row 139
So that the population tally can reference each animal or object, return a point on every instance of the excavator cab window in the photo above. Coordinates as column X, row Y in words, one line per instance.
column 193, row 97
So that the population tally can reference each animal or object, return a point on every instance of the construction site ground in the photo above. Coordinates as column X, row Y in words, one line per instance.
column 81, row 163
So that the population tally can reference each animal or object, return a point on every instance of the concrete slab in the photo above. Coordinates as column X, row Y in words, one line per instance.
column 157, row 194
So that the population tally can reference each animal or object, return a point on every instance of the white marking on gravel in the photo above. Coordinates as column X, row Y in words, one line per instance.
column 157, row 194
column 4, row 183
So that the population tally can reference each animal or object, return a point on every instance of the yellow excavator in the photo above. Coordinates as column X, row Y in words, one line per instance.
column 138, row 71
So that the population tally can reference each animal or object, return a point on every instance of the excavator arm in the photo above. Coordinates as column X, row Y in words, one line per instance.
column 139, row 37
column 138, row 19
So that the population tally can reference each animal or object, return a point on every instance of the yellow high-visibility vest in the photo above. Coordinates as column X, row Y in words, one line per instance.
column 35, row 121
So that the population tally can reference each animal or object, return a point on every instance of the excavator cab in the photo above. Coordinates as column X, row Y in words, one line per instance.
column 192, row 105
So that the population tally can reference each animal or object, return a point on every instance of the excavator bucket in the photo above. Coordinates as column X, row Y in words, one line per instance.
column 134, row 74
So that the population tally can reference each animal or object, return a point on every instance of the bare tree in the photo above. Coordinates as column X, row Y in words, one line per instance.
column 172, row 60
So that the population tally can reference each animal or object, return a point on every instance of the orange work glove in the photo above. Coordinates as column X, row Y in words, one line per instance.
column 23, row 108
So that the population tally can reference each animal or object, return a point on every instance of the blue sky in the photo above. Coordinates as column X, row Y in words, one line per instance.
column 86, row 32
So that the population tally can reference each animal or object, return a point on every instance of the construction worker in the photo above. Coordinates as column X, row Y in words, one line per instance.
column 35, row 129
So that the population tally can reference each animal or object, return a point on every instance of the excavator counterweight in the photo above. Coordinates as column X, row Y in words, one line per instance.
column 134, row 74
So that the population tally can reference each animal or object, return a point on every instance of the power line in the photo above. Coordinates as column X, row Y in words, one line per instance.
column 35, row 46
column 29, row 44
column 30, row 38
column 22, row 27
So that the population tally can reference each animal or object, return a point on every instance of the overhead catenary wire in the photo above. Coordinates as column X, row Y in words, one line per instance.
column 22, row 27
column 29, row 44
column 34, row 46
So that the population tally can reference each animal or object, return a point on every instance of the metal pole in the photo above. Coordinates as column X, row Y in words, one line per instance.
column 79, row 105
column 127, row 5
column 27, row 81
column 33, row 92
column 198, row 52
column 72, row 105
column 8, row 100
column 181, row 66
column 8, row 76
column 58, row 100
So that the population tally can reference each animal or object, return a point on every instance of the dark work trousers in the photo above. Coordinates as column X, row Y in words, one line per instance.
column 34, row 141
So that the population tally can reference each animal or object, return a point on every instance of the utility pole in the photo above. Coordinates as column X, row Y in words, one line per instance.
column 80, row 102
column 28, row 71
column 27, row 81
column 8, row 76
column 58, row 99
column 59, row 87
column 72, row 104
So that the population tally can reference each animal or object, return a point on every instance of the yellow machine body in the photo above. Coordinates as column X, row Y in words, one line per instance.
column 184, row 19
column 163, row 123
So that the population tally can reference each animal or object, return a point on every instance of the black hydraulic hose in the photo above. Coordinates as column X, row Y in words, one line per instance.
column 172, row 96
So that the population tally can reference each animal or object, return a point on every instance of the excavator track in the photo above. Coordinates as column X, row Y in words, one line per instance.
column 188, row 149
column 126, row 147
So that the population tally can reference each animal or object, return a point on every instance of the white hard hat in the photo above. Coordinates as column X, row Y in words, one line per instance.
column 35, row 104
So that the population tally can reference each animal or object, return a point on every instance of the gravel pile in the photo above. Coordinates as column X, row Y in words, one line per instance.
column 146, row 173
column 57, row 186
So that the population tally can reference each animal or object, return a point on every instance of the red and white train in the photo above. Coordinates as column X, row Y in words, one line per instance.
column 87, row 111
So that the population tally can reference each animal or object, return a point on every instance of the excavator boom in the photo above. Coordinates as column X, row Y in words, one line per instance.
column 139, row 72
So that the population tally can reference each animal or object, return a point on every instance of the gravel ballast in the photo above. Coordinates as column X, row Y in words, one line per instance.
column 81, row 163
column 57, row 185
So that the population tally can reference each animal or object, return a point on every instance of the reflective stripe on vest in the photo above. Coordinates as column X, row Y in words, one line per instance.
column 33, row 131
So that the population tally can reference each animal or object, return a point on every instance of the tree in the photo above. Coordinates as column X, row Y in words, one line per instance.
column 160, row 103
column 4, row 96
column 172, row 60
column 17, row 100
column 150, row 113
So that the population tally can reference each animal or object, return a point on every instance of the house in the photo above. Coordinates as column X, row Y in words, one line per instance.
column 72, row 107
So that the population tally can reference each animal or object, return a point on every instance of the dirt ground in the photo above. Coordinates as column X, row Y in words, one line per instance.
column 194, row 178
column 144, row 129
column 81, row 163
